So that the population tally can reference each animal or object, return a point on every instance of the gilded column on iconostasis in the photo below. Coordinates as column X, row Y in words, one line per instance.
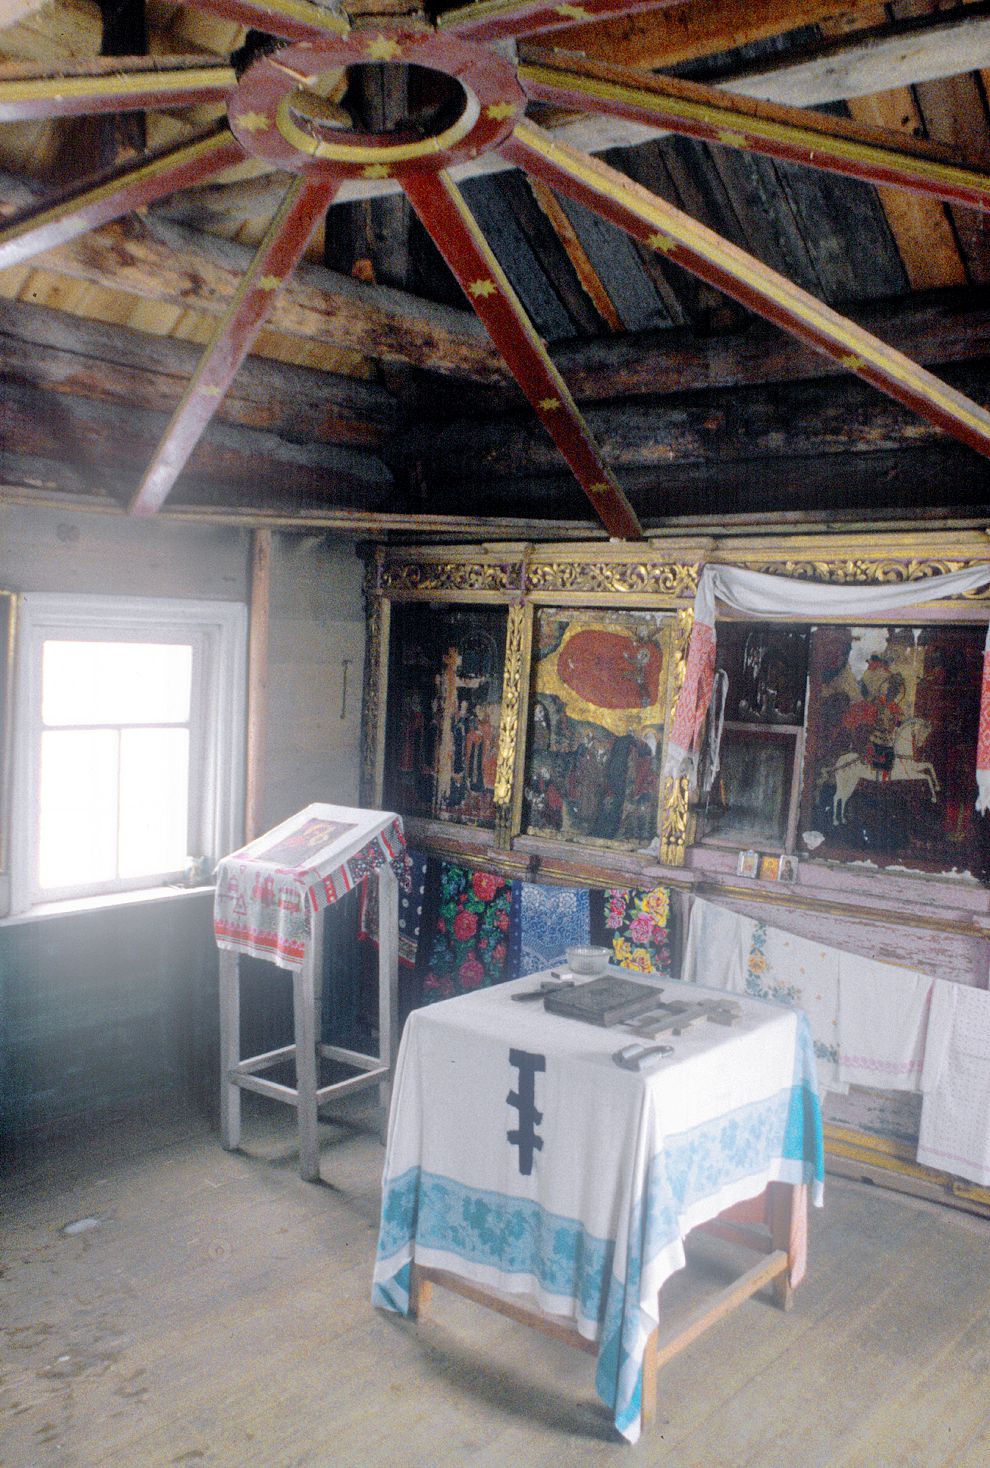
column 512, row 730
column 675, row 791
column 378, row 615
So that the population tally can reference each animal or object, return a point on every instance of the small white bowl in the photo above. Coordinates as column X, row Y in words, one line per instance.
column 589, row 961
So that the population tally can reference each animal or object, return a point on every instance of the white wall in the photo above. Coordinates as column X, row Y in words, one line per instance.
column 317, row 620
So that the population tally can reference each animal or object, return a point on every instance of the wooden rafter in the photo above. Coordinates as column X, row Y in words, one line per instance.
column 290, row 20
column 277, row 256
column 446, row 216
column 696, row 28
column 127, row 188
column 499, row 20
column 685, row 242
column 712, row 116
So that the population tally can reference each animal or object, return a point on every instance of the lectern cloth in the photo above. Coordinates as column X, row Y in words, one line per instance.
column 268, row 892
column 521, row 1158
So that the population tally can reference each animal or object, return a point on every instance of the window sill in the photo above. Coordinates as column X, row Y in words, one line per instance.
column 74, row 905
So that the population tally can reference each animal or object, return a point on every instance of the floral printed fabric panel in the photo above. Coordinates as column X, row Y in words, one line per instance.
column 545, row 922
column 637, row 925
column 470, row 945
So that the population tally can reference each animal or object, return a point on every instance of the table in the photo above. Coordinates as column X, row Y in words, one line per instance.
column 526, row 1169
column 270, row 898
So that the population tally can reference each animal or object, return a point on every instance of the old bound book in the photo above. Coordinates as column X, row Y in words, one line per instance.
column 609, row 1000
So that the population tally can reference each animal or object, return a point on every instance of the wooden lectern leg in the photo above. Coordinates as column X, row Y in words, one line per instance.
column 230, row 1049
column 788, row 1221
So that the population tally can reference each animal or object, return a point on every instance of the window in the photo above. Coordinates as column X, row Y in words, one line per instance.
column 128, row 734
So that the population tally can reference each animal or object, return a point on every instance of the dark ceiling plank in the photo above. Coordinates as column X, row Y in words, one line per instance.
column 50, row 349
column 787, row 133
column 710, row 428
column 830, row 212
column 109, row 84
column 765, row 214
column 99, row 443
column 446, row 215
column 695, row 28
column 618, row 264
column 160, row 261
column 591, row 282
column 743, row 278
column 277, row 256
column 527, row 272
column 126, row 188
column 548, row 247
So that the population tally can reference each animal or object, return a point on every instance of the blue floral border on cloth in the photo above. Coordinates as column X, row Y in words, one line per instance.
column 780, row 1136
column 544, row 922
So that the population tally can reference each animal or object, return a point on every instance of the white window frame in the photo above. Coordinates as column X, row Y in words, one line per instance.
column 218, row 634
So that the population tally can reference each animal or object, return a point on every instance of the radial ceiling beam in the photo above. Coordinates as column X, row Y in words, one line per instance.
column 290, row 20
column 712, row 116
column 109, row 84
column 446, row 216
column 278, row 254
column 659, row 226
column 127, row 188
column 499, row 20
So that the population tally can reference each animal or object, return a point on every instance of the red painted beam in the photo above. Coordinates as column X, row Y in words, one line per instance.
column 126, row 188
column 659, row 226
column 790, row 133
column 497, row 20
column 446, row 216
column 109, row 84
column 278, row 255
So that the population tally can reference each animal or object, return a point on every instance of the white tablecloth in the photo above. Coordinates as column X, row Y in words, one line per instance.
column 582, row 1200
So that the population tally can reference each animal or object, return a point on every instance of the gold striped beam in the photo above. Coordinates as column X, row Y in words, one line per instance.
column 109, row 84
column 660, row 226
column 125, row 189
column 277, row 256
column 445, row 214
column 789, row 133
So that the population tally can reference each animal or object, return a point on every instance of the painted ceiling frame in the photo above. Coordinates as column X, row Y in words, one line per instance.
column 274, row 115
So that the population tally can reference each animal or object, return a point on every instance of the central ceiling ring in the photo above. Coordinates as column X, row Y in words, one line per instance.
column 270, row 115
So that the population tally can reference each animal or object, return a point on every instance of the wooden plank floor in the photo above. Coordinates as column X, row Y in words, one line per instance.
column 166, row 1303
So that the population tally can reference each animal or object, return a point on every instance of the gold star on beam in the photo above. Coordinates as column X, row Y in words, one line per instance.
column 549, row 405
column 661, row 242
column 600, row 488
column 254, row 122
column 853, row 362
column 572, row 12
column 499, row 111
column 269, row 282
column 382, row 49
column 482, row 288
column 376, row 170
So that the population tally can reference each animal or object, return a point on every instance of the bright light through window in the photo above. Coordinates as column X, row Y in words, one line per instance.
column 115, row 749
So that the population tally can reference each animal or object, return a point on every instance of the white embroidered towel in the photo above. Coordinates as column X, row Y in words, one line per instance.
column 717, row 947
column 883, row 1015
column 803, row 974
column 955, row 1082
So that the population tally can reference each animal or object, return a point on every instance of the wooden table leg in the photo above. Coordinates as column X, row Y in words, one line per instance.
column 230, row 1049
column 420, row 1294
column 788, row 1231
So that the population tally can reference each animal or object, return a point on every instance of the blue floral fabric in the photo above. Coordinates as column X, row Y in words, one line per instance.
column 544, row 922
